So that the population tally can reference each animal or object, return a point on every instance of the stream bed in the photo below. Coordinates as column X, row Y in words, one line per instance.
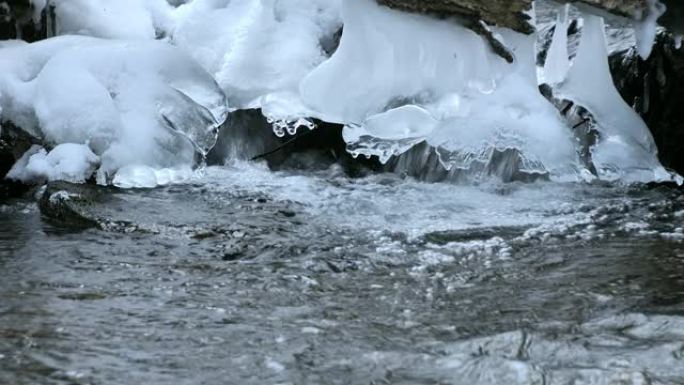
column 247, row 276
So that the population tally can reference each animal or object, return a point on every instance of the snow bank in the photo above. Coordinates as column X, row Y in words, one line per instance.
column 134, row 102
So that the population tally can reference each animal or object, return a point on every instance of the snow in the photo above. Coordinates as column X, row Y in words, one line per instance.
column 69, row 162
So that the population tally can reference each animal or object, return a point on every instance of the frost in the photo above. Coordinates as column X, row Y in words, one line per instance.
column 69, row 162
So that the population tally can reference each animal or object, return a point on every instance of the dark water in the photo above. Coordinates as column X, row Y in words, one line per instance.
column 248, row 278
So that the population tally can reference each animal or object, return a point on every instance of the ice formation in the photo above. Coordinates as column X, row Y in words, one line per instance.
column 395, row 80
column 558, row 59
column 646, row 28
column 130, row 101
column 259, row 50
column 141, row 176
column 394, row 83
column 626, row 148
column 70, row 162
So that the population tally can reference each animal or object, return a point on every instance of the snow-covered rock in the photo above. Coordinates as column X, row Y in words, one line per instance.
column 131, row 102
column 68, row 162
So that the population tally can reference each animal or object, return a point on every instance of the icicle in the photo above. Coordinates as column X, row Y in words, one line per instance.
column 38, row 7
column 626, row 142
column 557, row 62
column 646, row 29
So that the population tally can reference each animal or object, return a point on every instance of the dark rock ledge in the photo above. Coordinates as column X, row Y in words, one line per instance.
column 513, row 14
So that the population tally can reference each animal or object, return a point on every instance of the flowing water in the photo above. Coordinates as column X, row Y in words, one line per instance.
column 247, row 276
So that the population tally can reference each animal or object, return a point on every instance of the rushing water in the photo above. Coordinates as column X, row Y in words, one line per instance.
column 244, row 276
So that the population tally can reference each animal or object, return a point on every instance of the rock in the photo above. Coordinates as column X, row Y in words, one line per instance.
column 513, row 14
column 16, row 21
column 504, row 13
column 70, row 204
column 655, row 89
